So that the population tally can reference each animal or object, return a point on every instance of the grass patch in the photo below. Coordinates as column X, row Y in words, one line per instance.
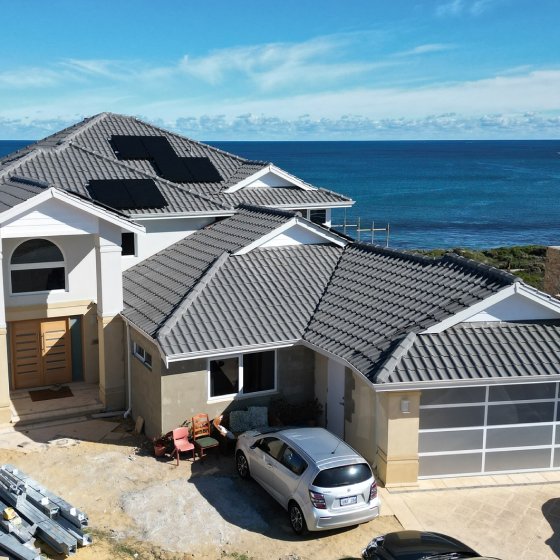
column 525, row 261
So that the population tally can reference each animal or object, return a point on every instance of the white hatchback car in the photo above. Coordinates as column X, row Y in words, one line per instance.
column 320, row 480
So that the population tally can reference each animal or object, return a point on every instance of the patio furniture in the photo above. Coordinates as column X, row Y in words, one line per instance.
column 181, row 442
column 201, row 434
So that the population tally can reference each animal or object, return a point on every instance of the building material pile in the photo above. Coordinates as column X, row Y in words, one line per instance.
column 28, row 511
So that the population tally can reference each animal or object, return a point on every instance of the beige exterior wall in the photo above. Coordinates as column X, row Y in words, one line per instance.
column 397, row 437
column 552, row 272
column 359, row 415
column 112, row 380
column 166, row 397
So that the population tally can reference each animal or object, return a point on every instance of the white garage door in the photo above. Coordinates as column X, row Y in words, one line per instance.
column 489, row 429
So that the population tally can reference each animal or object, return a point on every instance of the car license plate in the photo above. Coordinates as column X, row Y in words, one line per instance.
column 348, row 501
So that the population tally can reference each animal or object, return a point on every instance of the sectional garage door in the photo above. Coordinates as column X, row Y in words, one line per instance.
column 489, row 429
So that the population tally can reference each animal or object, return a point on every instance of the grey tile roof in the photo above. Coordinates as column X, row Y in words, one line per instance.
column 284, row 197
column 92, row 136
column 156, row 286
column 474, row 351
column 72, row 168
column 377, row 296
column 263, row 297
column 13, row 192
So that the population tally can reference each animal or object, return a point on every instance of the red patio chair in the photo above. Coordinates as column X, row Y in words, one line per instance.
column 181, row 442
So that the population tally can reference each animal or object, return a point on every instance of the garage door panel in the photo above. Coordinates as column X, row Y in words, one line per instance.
column 522, row 392
column 458, row 463
column 520, row 413
column 452, row 440
column 518, row 436
column 517, row 460
column 456, row 417
column 451, row 396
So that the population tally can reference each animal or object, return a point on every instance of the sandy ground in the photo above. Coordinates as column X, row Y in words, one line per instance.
column 141, row 507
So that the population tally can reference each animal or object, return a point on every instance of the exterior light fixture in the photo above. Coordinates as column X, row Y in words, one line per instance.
column 405, row 406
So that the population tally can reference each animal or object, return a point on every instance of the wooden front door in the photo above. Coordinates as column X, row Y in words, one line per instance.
column 41, row 353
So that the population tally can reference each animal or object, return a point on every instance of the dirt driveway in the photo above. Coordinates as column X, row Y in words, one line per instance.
column 140, row 507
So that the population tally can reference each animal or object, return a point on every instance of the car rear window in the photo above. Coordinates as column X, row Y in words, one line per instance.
column 343, row 476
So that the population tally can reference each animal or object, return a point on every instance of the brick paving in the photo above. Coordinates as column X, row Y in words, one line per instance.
column 510, row 517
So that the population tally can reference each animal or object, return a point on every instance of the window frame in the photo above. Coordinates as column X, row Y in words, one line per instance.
column 38, row 266
column 142, row 355
column 240, row 394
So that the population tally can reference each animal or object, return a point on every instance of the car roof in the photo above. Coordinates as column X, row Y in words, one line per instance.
column 424, row 543
column 320, row 445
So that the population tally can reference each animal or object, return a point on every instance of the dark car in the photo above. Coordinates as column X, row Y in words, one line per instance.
column 418, row 545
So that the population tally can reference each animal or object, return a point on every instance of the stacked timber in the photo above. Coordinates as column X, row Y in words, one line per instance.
column 28, row 511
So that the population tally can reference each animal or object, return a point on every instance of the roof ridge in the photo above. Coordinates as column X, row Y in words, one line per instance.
column 183, row 137
column 191, row 296
column 150, row 175
column 30, row 181
column 487, row 269
column 87, row 123
column 325, row 288
column 16, row 163
column 392, row 361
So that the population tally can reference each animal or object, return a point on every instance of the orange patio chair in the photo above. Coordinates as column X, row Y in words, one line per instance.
column 201, row 434
column 181, row 442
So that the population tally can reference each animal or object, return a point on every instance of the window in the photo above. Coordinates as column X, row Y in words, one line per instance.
column 318, row 216
column 37, row 265
column 142, row 355
column 343, row 476
column 293, row 461
column 242, row 375
column 128, row 244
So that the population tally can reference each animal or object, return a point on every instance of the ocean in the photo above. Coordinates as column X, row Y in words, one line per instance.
column 433, row 194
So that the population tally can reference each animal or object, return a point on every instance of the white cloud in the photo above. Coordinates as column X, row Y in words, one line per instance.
column 426, row 49
column 456, row 8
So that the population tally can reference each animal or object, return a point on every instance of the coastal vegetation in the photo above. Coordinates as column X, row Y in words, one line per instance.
column 525, row 261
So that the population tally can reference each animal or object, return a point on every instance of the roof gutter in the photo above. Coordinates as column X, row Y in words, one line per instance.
column 444, row 384
column 172, row 215
column 229, row 351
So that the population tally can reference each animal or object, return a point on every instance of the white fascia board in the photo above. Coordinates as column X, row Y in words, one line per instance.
column 174, row 215
column 319, row 205
column 295, row 221
column 229, row 351
column 472, row 310
column 538, row 297
column 51, row 192
column 145, row 335
column 275, row 171
column 457, row 383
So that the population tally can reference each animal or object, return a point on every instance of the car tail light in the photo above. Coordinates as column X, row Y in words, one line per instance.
column 318, row 500
column 373, row 491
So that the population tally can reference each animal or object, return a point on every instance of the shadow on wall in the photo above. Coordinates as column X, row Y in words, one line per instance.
column 551, row 512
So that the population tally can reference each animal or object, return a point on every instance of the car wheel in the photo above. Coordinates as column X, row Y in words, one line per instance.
column 297, row 521
column 242, row 465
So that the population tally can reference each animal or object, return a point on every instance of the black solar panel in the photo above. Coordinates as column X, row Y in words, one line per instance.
column 167, row 163
column 202, row 170
column 129, row 147
column 127, row 194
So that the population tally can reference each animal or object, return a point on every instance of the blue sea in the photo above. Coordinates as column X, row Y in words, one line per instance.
column 434, row 194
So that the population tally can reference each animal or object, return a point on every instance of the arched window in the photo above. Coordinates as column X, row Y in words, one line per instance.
column 37, row 265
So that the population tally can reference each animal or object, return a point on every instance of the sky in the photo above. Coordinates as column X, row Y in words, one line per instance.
column 285, row 70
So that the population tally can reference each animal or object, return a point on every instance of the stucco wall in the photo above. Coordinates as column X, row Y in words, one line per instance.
column 160, row 234
column 146, row 386
column 166, row 397
column 359, row 412
column 79, row 256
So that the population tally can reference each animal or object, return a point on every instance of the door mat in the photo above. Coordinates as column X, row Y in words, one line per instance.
column 47, row 394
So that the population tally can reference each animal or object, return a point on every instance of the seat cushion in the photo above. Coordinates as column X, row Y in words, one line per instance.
column 206, row 442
